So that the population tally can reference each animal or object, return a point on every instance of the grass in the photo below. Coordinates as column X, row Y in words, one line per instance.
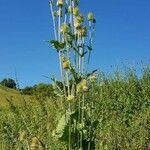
column 13, row 95
column 122, row 107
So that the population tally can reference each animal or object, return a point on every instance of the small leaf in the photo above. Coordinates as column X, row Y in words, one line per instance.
column 89, row 48
column 57, row 45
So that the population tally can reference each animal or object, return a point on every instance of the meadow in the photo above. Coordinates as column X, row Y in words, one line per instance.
column 122, row 108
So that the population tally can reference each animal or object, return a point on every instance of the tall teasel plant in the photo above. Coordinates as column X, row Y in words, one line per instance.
column 73, row 43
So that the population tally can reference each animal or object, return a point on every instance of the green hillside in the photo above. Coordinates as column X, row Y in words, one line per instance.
column 7, row 94
column 122, row 111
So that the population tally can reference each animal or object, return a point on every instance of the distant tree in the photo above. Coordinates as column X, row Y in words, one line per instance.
column 28, row 90
column 42, row 90
column 8, row 83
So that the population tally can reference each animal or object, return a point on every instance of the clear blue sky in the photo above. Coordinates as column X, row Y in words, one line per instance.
column 122, row 35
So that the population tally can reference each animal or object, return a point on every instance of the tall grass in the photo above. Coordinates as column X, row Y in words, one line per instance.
column 121, row 105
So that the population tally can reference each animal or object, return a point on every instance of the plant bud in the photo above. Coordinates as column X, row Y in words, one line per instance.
column 80, row 18
column 64, row 28
column 82, row 31
column 66, row 64
column 35, row 143
column 59, row 13
column 63, row 59
column 90, row 16
column 78, row 21
column 70, row 98
column 75, row 11
column 70, row 9
column 84, row 82
column 60, row 3
column 85, row 88
column 77, row 24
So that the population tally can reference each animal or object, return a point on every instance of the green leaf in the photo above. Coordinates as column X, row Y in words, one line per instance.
column 57, row 45
column 62, row 129
column 58, row 87
column 89, row 48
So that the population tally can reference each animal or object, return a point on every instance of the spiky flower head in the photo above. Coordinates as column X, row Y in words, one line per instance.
column 70, row 9
column 35, row 144
column 78, row 21
column 84, row 82
column 64, row 28
column 70, row 98
column 85, row 88
column 66, row 64
column 60, row 3
column 82, row 86
column 75, row 11
column 63, row 59
column 59, row 13
column 82, row 31
column 90, row 16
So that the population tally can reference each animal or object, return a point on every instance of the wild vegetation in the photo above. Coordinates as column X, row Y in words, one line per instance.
column 122, row 107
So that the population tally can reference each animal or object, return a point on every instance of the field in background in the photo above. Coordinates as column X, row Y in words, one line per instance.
column 122, row 107
column 7, row 94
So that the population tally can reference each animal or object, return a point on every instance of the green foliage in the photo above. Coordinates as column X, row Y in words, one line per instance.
column 121, row 117
column 10, row 83
column 57, row 45
column 40, row 90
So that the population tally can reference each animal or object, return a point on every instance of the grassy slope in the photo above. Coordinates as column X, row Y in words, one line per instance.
column 11, row 94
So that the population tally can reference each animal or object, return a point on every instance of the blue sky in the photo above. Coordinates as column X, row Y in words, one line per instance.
column 122, row 36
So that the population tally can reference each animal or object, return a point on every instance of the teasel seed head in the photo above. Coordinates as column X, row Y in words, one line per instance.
column 60, row 3
column 78, row 21
column 66, row 64
column 90, row 16
column 64, row 28
column 35, row 144
column 82, row 31
column 84, row 82
column 82, row 86
column 70, row 9
column 59, row 13
column 85, row 86
column 63, row 59
column 75, row 11
column 70, row 98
